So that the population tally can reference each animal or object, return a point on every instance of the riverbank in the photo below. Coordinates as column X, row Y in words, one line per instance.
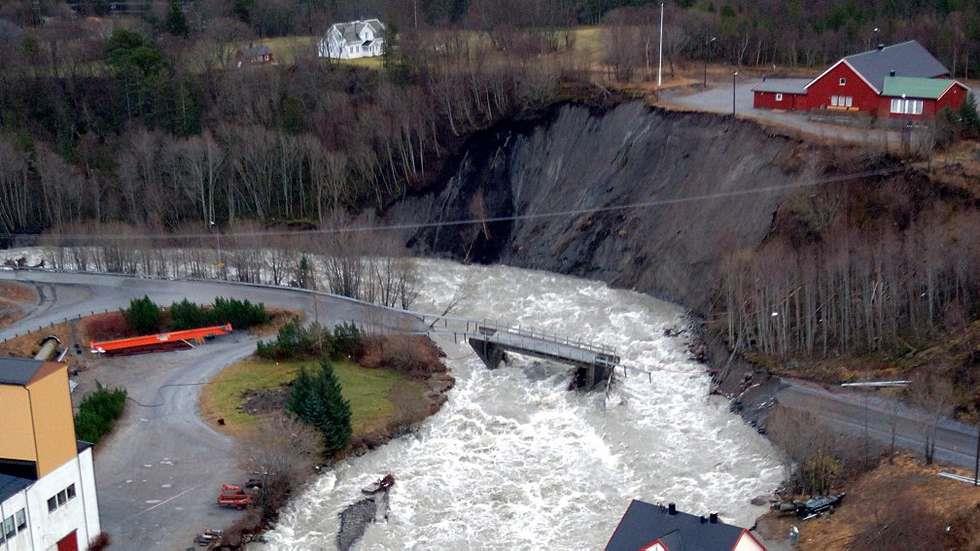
column 385, row 403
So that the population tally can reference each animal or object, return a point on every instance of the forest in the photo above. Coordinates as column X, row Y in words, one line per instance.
column 143, row 117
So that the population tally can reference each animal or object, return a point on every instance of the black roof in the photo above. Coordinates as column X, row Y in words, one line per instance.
column 907, row 59
column 10, row 485
column 18, row 371
column 645, row 523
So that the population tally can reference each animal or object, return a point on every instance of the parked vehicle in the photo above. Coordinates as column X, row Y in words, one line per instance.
column 233, row 496
column 818, row 505
column 208, row 537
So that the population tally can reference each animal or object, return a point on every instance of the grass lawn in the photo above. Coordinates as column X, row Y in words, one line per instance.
column 368, row 390
column 285, row 50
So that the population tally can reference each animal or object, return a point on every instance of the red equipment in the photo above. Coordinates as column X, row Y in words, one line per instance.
column 160, row 340
column 233, row 496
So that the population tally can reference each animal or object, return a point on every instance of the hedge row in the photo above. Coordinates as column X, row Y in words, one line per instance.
column 98, row 412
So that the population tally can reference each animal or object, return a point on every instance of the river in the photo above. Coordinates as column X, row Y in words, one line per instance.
column 515, row 461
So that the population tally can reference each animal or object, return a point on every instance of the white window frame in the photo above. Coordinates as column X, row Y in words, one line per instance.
column 842, row 81
column 779, row 97
column 905, row 106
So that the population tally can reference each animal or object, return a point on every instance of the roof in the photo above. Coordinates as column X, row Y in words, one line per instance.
column 351, row 30
column 256, row 51
column 11, row 485
column 783, row 85
column 907, row 59
column 929, row 88
column 18, row 371
column 643, row 523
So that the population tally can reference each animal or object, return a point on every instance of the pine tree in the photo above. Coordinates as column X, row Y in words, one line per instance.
column 305, row 276
column 969, row 119
column 317, row 400
column 176, row 23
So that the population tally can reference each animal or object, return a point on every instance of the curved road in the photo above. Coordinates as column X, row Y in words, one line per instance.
column 157, row 474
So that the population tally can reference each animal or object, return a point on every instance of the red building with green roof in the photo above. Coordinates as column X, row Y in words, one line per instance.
column 900, row 81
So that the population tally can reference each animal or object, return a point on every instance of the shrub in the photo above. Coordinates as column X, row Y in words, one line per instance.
column 297, row 342
column 111, row 325
column 143, row 315
column 187, row 315
column 99, row 542
column 316, row 399
column 241, row 314
column 98, row 412
column 412, row 355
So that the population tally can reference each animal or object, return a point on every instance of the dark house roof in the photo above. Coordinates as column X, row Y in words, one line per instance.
column 645, row 523
column 907, row 59
column 18, row 371
column 253, row 52
column 783, row 85
column 11, row 484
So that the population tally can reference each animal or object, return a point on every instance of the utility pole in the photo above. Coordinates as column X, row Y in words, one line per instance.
column 707, row 53
column 734, row 74
column 660, row 51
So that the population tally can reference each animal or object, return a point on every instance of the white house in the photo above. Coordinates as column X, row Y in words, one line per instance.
column 47, row 481
column 352, row 40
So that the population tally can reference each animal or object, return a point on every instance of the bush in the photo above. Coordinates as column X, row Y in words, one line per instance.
column 98, row 412
column 316, row 399
column 108, row 326
column 297, row 342
column 241, row 314
column 412, row 355
column 187, row 315
column 143, row 315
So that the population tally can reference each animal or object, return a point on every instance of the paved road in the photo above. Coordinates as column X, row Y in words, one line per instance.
column 157, row 473
column 850, row 411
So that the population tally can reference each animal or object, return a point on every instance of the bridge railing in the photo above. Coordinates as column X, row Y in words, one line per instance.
column 473, row 327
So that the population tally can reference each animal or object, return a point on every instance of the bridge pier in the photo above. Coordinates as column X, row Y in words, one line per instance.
column 588, row 376
column 489, row 352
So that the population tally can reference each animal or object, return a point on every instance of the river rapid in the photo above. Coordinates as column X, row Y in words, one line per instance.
column 516, row 461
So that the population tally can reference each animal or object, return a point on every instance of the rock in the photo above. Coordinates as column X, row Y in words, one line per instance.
column 759, row 500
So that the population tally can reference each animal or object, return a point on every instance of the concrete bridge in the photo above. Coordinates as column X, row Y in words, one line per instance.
column 491, row 341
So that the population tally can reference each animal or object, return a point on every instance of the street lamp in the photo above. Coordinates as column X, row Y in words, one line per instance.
column 734, row 74
column 707, row 53
column 217, row 236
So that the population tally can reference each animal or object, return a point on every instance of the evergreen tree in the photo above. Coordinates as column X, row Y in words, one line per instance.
column 176, row 23
column 305, row 277
column 317, row 400
column 143, row 315
column 969, row 119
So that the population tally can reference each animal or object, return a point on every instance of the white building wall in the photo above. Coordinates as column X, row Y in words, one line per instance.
column 22, row 541
column 747, row 543
column 45, row 528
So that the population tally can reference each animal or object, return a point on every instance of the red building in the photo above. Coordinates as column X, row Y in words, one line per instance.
column 901, row 81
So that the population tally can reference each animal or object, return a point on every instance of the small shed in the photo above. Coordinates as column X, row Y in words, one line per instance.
column 780, row 93
column 254, row 55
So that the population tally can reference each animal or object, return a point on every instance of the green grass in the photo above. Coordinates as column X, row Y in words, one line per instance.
column 285, row 50
column 368, row 390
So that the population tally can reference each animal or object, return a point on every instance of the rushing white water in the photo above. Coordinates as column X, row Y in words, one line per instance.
column 515, row 461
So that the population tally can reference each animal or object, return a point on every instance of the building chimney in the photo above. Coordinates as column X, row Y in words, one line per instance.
column 671, row 508
column 891, row 73
column 713, row 518
column 881, row 46
column 703, row 519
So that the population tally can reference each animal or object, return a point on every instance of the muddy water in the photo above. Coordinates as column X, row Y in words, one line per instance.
column 514, row 461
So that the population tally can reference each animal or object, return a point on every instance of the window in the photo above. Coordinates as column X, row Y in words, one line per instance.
column 842, row 81
column 842, row 102
column 70, row 491
column 9, row 529
column 52, row 504
column 903, row 106
column 21, row 519
column 779, row 97
column 62, row 497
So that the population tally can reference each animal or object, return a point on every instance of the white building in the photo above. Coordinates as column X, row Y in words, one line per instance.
column 353, row 39
column 48, row 500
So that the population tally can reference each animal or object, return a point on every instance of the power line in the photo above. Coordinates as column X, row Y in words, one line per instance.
column 489, row 220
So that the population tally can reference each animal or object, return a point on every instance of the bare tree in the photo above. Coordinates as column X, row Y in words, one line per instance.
column 933, row 394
